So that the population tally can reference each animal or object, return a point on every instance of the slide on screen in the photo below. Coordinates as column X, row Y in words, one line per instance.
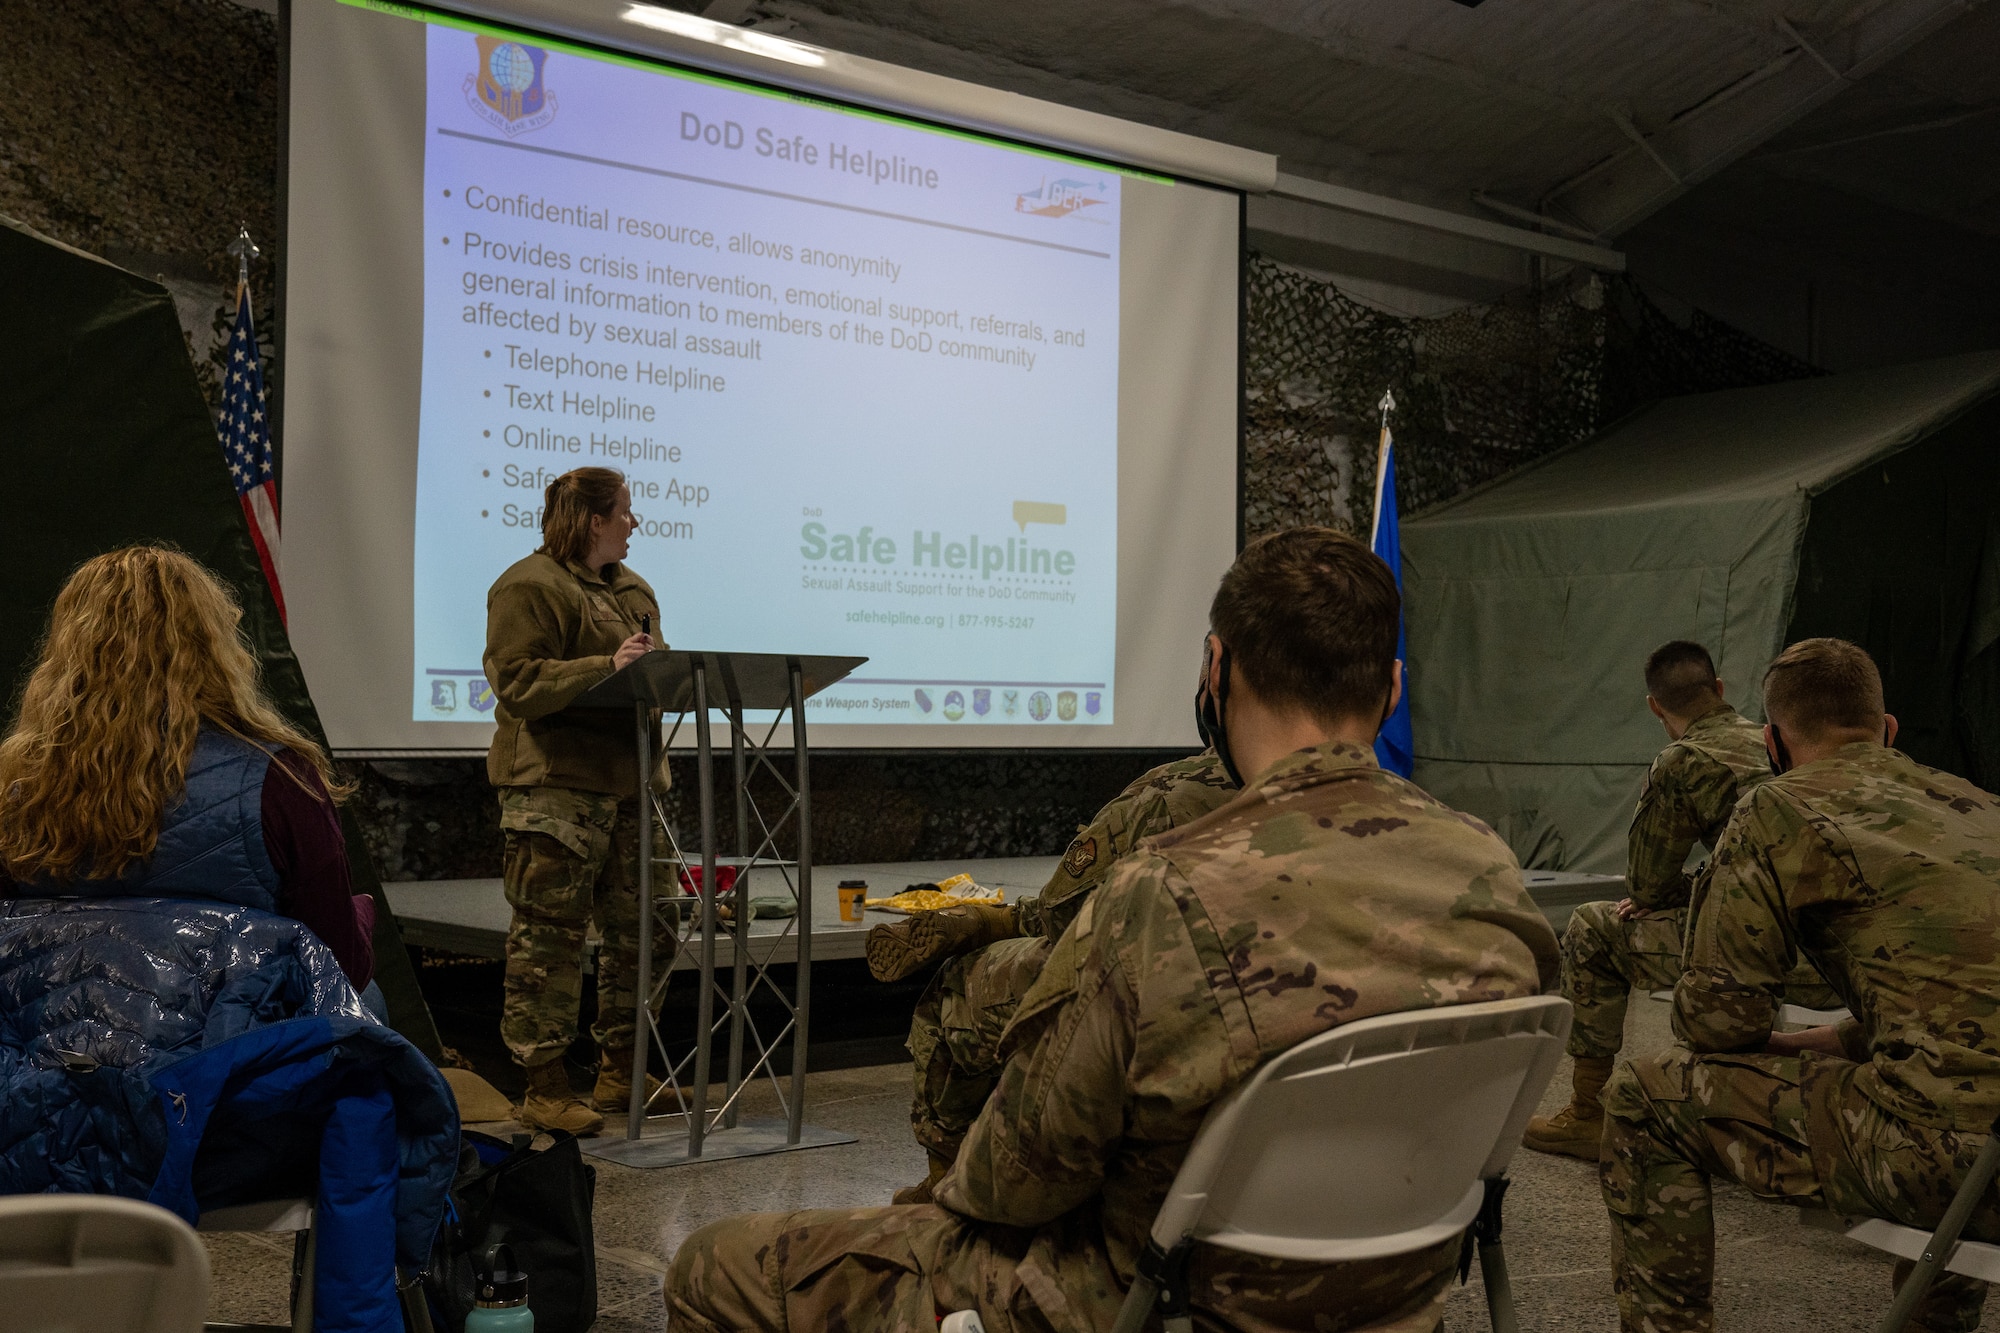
column 862, row 376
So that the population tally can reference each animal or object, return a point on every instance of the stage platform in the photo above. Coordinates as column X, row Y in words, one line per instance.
column 470, row 916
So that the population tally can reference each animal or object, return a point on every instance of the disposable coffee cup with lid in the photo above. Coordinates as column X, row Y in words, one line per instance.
column 853, row 896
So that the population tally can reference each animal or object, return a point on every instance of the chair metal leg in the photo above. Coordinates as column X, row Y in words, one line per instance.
column 1499, row 1289
column 305, row 1263
column 1138, row 1305
column 1161, row 1280
column 1485, row 1234
column 1937, row 1251
column 416, row 1309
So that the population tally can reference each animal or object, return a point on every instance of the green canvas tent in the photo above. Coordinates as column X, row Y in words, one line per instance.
column 104, row 442
column 1860, row 505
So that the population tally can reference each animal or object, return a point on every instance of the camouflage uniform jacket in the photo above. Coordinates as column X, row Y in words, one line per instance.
column 1690, row 790
column 1327, row 891
column 1157, row 800
column 1886, row 874
column 552, row 629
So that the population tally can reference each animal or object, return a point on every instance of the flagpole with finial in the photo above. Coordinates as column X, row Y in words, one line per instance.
column 245, row 250
column 1388, row 405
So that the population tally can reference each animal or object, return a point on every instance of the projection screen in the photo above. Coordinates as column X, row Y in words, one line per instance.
column 880, row 386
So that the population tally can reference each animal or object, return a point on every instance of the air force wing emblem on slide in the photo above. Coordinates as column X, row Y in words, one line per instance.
column 507, row 91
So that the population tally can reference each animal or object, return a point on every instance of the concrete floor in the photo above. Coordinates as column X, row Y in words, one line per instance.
column 1772, row 1275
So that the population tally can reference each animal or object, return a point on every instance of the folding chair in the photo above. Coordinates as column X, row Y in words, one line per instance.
column 296, row 1216
column 1941, row 1250
column 89, row 1263
column 1384, row 1136
column 281, row 1215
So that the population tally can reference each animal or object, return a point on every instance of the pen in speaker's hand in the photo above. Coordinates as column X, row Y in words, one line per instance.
column 635, row 647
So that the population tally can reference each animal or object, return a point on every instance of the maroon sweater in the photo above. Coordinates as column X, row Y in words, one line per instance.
column 308, row 850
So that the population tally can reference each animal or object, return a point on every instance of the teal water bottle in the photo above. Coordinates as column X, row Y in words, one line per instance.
column 500, row 1297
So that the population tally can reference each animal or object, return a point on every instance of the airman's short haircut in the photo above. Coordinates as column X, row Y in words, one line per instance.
column 1310, row 617
column 1821, row 685
column 1680, row 675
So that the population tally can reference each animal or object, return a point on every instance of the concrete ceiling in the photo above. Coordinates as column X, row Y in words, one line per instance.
column 1429, row 99
column 1593, row 113
column 1921, row 135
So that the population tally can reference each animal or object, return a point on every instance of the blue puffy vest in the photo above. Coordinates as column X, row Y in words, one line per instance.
column 211, row 837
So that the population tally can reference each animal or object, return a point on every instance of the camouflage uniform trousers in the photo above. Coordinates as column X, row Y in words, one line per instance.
column 570, row 858
column 1790, row 1129
column 955, row 1036
column 896, row 1270
column 1605, row 959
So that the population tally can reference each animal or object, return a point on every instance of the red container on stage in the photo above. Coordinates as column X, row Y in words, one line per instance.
column 725, row 879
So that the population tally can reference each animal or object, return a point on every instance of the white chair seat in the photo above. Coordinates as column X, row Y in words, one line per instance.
column 1969, row 1258
column 272, row 1215
column 1796, row 1015
column 1801, row 1016
column 1349, row 1249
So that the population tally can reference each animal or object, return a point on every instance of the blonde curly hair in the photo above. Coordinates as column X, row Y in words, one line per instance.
column 144, row 647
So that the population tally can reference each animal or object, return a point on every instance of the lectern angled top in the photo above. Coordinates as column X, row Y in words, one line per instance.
column 664, row 679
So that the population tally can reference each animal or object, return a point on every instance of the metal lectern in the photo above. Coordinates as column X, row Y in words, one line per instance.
column 684, row 683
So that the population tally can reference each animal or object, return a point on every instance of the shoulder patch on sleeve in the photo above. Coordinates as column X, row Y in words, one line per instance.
column 1081, row 856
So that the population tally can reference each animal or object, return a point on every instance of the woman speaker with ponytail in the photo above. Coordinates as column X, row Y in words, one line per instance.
column 558, row 622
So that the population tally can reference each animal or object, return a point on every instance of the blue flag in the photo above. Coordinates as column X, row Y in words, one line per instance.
column 1394, row 749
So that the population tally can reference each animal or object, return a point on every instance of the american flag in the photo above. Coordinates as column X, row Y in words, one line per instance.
column 246, row 442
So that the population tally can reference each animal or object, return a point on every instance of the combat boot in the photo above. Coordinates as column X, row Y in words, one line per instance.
column 922, row 1192
column 1575, row 1130
column 552, row 1104
column 613, row 1093
column 898, row 949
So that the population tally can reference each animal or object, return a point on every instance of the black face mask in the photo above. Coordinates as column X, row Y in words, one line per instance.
column 1208, row 716
column 1781, row 757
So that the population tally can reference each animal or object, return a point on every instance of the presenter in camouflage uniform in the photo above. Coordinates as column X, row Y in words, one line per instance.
column 1611, row 949
column 1326, row 891
column 994, row 953
column 557, row 623
column 1886, row 874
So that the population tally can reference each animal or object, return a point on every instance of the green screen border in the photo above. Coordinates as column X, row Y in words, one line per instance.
column 661, row 65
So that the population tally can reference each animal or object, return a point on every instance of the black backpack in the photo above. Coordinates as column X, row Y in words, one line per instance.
column 537, row 1201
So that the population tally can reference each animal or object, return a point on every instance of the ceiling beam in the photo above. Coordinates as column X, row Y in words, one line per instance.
column 1442, row 220
column 1631, row 185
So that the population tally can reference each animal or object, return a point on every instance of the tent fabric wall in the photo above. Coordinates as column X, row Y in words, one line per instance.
column 108, row 443
column 1533, row 602
column 1897, row 558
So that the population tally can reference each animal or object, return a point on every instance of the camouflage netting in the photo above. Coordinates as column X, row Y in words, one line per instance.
column 146, row 131
column 1478, row 392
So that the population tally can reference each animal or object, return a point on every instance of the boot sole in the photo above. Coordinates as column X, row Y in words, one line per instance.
column 893, row 955
column 621, row 1104
column 521, row 1118
column 1581, row 1150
